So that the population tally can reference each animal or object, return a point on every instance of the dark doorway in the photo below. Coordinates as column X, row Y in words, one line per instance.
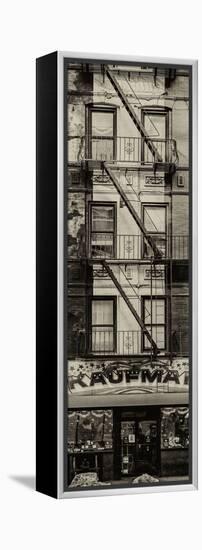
column 139, row 444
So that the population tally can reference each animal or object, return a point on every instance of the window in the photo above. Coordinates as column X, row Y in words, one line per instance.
column 103, row 317
column 101, row 133
column 174, row 427
column 154, row 220
column 102, row 230
column 90, row 429
column 156, row 123
column 154, row 320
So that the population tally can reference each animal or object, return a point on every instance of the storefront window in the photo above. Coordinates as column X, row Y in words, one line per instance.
column 90, row 430
column 174, row 427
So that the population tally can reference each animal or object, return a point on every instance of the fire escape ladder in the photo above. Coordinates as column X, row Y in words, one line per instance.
column 132, row 113
column 130, row 305
column 132, row 210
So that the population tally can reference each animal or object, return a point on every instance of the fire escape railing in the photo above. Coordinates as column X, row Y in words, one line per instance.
column 133, row 247
column 129, row 247
column 123, row 342
column 124, row 149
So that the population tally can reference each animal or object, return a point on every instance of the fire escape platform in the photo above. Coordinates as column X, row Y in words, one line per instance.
column 141, row 261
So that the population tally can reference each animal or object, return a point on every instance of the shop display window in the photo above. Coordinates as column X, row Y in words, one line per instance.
column 174, row 427
column 90, row 430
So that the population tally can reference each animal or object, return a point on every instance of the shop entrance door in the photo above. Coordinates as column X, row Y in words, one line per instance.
column 139, row 447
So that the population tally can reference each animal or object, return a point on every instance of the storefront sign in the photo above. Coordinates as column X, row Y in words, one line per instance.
column 118, row 377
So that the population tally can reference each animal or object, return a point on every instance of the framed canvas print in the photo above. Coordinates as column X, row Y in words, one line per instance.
column 116, row 274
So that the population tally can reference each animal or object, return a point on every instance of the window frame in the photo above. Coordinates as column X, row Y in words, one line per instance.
column 160, row 111
column 112, row 299
column 77, row 413
column 98, row 204
column 153, row 233
column 173, row 447
column 100, row 108
column 154, row 298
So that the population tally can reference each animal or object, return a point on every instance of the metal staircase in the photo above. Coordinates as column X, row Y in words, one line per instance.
column 109, row 270
column 123, row 195
column 114, row 81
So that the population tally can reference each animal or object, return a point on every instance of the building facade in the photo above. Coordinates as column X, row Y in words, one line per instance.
column 128, row 182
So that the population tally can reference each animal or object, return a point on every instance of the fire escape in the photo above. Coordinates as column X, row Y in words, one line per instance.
column 112, row 169
column 132, row 114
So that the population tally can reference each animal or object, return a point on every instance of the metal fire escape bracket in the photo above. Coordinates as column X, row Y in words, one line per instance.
column 109, row 171
column 130, row 306
column 131, row 112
